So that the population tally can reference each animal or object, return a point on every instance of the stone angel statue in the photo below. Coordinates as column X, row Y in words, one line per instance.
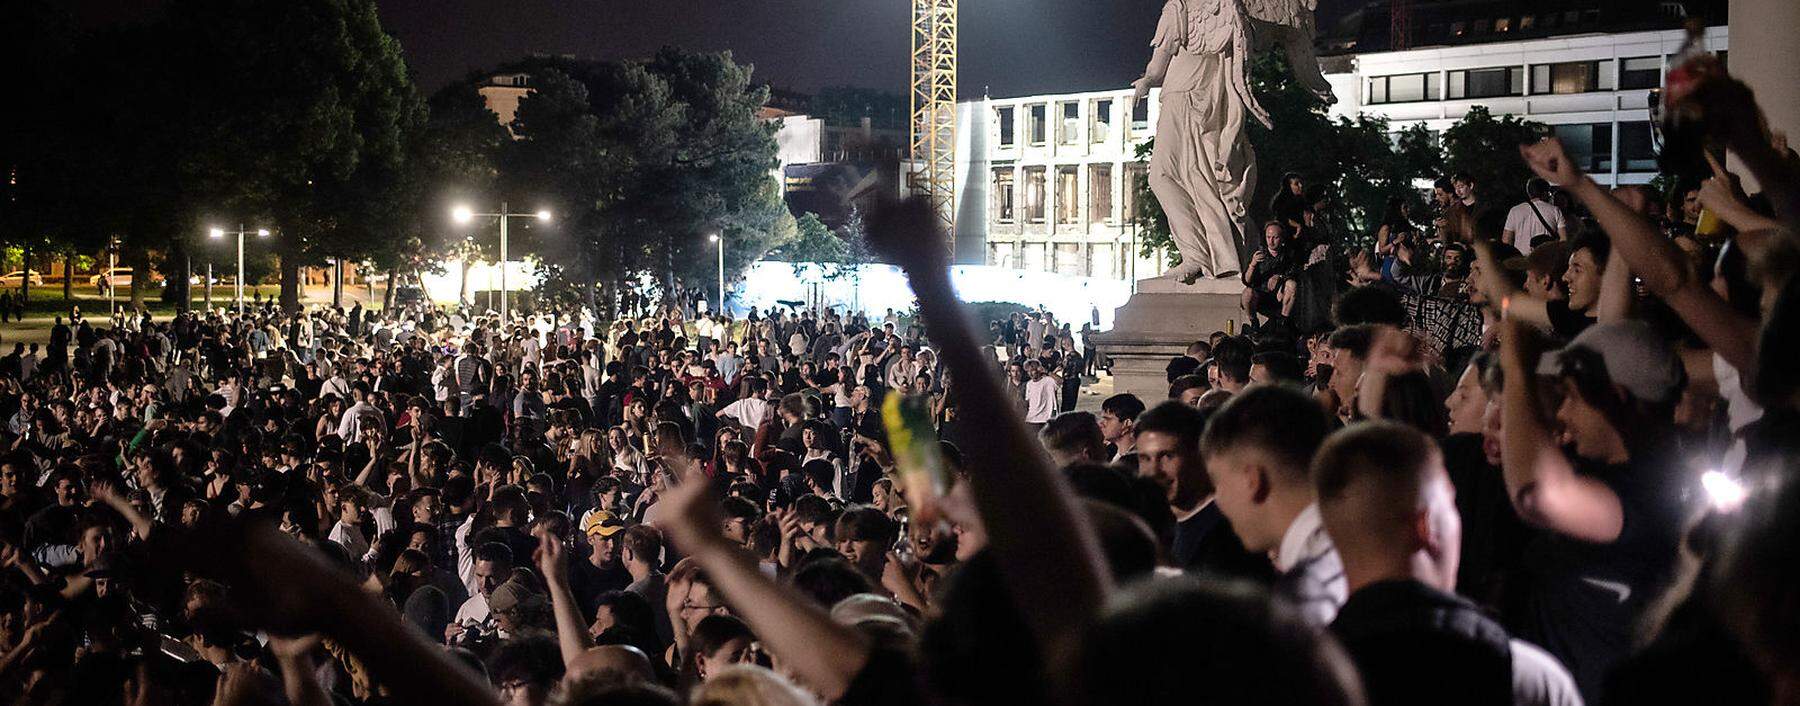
column 1202, row 169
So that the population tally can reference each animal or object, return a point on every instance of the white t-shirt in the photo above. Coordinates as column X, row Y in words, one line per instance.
column 1525, row 225
column 750, row 411
column 1040, row 400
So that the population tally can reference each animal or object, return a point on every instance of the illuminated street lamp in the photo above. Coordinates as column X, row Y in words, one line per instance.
column 240, row 233
column 720, row 307
column 463, row 214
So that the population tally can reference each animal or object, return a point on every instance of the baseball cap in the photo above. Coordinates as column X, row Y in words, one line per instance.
column 1635, row 358
column 602, row 523
column 513, row 594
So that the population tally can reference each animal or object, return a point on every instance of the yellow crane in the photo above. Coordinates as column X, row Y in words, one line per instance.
column 933, row 124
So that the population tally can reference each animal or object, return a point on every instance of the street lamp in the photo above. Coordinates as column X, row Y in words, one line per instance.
column 463, row 214
column 721, row 243
column 112, row 263
column 240, row 233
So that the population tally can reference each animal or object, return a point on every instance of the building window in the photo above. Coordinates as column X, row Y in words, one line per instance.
column 1637, row 149
column 1589, row 145
column 1003, row 116
column 1068, row 195
column 1068, row 259
column 1101, row 131
column 1137, row 174
column 1406, row 88
column 1034, row 257
column 1034, row 194
column 1038, row 118
column 1571, row 77
column 1004, row 197
column 1527, row 22
column 1640, row 72
column 1459, row 28
column 1503, row 25
column 1070, row 126
column 1101, row 261
column 1140, row 116
column 1100, row 190
column 1486, row 83
column 1002, row 255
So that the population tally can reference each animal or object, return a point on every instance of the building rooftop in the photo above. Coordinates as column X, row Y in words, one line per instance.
column 1437, row 23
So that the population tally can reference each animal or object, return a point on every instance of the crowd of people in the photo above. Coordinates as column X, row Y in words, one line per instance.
column 417, row 506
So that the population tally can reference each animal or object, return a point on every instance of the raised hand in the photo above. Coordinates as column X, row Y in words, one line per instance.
column 551, row 558
column 906, row 233
column 1550, row 160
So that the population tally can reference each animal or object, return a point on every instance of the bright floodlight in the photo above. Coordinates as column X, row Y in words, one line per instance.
column 462, row 214
column 1725, row 492
column 262, row 232
column 712, row 238
column 543, row 215
column 217, row 233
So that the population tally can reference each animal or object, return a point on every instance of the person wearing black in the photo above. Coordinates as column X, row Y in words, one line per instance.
column 1269, row 284
column 1388, row 505
column 1289, row 206
column 1612, row 505
column 1168, row 444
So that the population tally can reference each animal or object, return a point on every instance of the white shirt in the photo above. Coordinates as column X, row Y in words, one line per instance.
column 351, row 538
column 1740, row 411
column 1525, row 225
column 750, row 411
column 1040, row 400
column 1312, row 575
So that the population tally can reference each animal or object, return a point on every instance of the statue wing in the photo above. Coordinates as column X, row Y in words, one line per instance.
column 1297, row 14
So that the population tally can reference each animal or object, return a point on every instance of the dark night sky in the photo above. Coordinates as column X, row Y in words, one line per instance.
column 1009, row 47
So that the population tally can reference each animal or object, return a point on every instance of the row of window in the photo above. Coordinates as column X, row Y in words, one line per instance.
column 1101, row 121
column 1503, row 25
column 1005, row 195
column 1105, row 260
column 1545, row 79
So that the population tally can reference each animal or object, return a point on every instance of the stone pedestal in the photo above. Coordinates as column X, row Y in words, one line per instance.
column 1158, row 323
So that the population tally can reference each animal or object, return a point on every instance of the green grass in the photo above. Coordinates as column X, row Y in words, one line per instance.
column 47, row 300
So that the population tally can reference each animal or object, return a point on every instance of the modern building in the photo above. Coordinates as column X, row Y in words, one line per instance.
column 502, row 93
column 1044, row 183
column 1584, row 68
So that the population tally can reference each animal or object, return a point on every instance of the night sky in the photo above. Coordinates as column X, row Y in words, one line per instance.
column 1008, row 47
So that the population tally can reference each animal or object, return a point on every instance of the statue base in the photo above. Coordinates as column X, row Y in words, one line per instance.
column 1158, row 323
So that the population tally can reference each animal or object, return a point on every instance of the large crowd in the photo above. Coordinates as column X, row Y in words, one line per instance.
column 430, row 506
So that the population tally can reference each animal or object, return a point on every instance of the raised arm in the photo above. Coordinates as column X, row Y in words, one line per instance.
column 571, row 633
column 1501, row 295
column 824, row 654
column 1653, row 258
column 1541, row 480
column 1046, row 549
column 1614, row 303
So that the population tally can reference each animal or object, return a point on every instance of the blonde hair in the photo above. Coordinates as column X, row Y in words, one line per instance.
column 749, row 685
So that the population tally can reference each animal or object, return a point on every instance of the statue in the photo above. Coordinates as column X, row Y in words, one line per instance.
column 1203, row 169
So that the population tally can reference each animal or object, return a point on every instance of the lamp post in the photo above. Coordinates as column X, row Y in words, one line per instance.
column 112, row 263
column 240, row 233
column 720, row 307
column 463, row 214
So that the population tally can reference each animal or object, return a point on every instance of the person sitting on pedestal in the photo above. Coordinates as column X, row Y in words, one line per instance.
column 1269, row 285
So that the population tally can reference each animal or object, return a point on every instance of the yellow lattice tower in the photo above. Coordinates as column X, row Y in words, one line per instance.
column 934, row 108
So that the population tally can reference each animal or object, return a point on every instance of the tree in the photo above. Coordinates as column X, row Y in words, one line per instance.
column 1487, row 147
column 300, row 119
column 814, row 244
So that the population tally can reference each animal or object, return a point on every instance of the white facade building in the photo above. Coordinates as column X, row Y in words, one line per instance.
column 1044, row 183
column 1592, row 89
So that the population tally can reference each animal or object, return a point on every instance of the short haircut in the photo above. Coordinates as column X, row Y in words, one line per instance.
column 1175, row 419
column 1185, row 383
column 738, row 508
column 1383, row 451
column 1074, row 433
column 1598, row 245
column 1125, row 406
column 496, row 552
column 1355, row 339
column 1277, row 420
column 864, row 523
column 1232, row 355
column 1369, row 304
column 1282, row 365
column 645, row 542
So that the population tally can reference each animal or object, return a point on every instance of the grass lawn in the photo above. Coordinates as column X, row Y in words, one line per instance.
column 48, row 300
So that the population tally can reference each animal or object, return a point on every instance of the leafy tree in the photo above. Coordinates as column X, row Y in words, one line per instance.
column 1487, row 147
column 814, row 244
column 300, row 118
